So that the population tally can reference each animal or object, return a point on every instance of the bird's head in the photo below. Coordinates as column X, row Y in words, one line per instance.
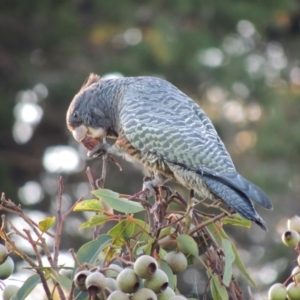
column 88, row 112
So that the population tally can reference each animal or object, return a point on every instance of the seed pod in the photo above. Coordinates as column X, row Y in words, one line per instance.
column 95, row 283
column 144, row 294
column 80, row 278
column 277, row 291
column 294, row 223
column 293, row 291
column 113, row 270
column 145, row 266
column 9, row 291
column 178, row 297
column 3, row 253
column 6, row 268
column 111, row 284
column 166, row 295
column 118, row 295
column 290, row 238
column 296, row 272
column 177, row 261
column 158, row 282
column 128, row 281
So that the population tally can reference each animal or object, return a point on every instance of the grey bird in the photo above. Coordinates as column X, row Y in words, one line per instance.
column 155, row 123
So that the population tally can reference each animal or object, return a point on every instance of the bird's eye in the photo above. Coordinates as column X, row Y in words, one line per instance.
column 75, row 115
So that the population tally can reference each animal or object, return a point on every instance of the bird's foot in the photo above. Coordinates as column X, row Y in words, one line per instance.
column 149, row 188
column 100, row 150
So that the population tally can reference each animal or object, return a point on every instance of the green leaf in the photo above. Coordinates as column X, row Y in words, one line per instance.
column 120, row 204
column 238, row 260
column 95, row 221
column 219, row 233
column 187, row 244
column 27, row 287
column 165, row 231
column 63, row 281
column 90, row 251
column 46, row 224
column 229, row 259
column 89, row 205
column 129, row 228
column 237, row 220
column 218, row 291
column 213, row 289
column 165, row 267
column 123, row 230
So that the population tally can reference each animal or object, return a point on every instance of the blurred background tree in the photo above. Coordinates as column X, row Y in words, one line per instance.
column 238, row 59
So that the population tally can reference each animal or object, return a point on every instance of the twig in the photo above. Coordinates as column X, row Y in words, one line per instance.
column 90, row 178
column 59, row 221
column 203, row 224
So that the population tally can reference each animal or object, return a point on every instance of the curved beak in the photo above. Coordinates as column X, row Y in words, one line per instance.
column 81, row 131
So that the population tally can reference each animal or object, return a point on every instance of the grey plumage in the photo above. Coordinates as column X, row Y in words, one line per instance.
column 169, row 133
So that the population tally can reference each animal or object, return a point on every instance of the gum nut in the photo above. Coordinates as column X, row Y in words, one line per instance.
column 277, row 291
column 290, row 238
column 118, row 295
column 111, row 284
column 176, row 261
column 144, row 294
column 113, row 270
column 296, row 272
column 128, row 281
column 298, row 260
column 158, row 282
column 145, row 266
column 6, row 268
column 80, row 278
column 294, row 223
column 95, row 283
column 3, row 253
column 178, row 297
column 293, row 291
column 166, row 295
column 9, row 291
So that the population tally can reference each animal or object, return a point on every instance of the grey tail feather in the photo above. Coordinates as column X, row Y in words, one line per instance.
column 249, row 189
column 234, row 199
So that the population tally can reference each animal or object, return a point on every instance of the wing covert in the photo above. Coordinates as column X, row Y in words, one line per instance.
column 157, row 117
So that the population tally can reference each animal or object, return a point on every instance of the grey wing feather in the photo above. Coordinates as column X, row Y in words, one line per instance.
column 157, row 117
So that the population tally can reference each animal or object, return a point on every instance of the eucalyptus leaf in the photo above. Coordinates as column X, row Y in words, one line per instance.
column 46, row 224
column 229, row 260
column 95, row 221
column 30, row 283
column 119, row 204
column 89, row 205
column 90, row 251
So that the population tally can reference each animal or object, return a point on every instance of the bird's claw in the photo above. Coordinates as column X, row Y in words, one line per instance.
column 99, row 150
column 148, row 189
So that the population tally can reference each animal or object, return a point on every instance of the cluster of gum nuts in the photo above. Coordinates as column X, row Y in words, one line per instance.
column 6, row 269
column 290, row 238
column 145, row 281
